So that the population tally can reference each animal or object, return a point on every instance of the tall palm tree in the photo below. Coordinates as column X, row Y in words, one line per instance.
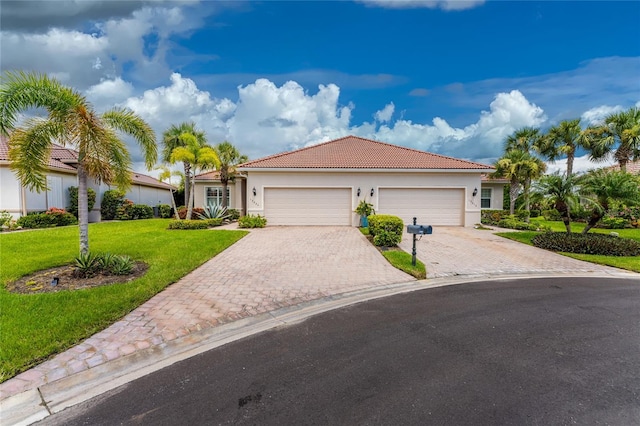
column 171, row 139
column 229, row 158
column 563, row 139
column 604, row 188
column 619, row 136
column 513, row 165
column 71, row 121
column 199, row 157
column 560, row 190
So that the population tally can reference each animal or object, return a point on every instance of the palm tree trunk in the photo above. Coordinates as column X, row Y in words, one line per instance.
column 593, row 220
column 187, row 184
column 563, row 209
column 570, row 158
column 191, row 196
column 173, row 205
column 513, row 194
column 83, row 209
column 224, row 179
column 527, row 200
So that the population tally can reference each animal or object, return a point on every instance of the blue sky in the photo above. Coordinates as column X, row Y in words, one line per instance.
column 449, row 77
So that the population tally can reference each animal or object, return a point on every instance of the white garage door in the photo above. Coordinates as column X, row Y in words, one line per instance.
column 444, row 207
column 307, row 206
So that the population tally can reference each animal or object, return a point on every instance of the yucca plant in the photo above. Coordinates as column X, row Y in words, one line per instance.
column 88, row 264
column 214, row 211
column 122, row 265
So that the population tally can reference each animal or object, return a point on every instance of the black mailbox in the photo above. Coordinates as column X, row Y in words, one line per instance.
column 420, row 229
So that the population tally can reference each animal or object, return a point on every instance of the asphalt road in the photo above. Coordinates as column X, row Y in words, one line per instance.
column 529, row 352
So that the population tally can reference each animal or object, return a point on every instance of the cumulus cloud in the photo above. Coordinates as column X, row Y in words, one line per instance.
column 430, row 4
column 596, row 116
column 580, row 165
column 385, row 114
column 109, row 92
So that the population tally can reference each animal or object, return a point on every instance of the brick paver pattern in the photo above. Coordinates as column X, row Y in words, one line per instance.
column 268, row 269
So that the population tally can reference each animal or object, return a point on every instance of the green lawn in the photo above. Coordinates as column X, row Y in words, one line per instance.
column 402, row 260
column 37, row 326
column 631, row 263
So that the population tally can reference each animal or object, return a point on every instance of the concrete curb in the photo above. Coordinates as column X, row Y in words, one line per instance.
column 36, row 404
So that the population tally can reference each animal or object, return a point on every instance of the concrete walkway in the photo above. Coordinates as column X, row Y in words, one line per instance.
column 452, row 251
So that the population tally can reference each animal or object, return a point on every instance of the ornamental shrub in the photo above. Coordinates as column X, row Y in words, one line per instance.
column 233, row 214
column 5, row 217
column 511, row 222
column 552, row 215
column 388, row 227
column 492, row 217
column 49, row 219
column 188, row 224
column 251, row 221
column 612, row 222
column 164, row 211
column 125, row 211
column 601, row 244
column 111, row 200
column 73, row 199
column 195, row 213
column 141, row 211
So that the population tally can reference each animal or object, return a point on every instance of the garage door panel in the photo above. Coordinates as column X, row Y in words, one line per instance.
column 308, row 206
column 432, row 206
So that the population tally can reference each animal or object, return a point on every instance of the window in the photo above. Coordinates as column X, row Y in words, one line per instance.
column 213, row 195
column 485, row 198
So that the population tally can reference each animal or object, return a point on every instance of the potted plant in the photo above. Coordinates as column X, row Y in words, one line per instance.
column 364, row 209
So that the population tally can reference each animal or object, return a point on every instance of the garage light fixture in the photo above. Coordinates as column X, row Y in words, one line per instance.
column 358, row 192
column 254, row 191
column 372, row 192
column 475, row 191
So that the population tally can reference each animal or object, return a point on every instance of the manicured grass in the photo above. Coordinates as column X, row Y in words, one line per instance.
column 402, row 260
column 36, row 326
column 631, row 263
column 365, row 231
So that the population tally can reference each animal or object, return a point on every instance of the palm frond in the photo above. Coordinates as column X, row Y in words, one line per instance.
column 126, row 121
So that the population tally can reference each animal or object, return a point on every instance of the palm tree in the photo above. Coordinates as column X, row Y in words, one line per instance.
column 513, row 165
column 166, row 174
column 618, row 136
column 199, row 157
column 563, row 139
column 561, row 192
column 171, row 139
column 229, row 158
column 71, row 120
column 528, row 140
column 604, row 188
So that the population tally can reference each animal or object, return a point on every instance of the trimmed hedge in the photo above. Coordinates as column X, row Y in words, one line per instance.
column 195, row 213
column 49, row 219
column 386, row 229
column 233, row 214
column 251, row 221
column 73, row 199
column 164, row 211
column 194, row 224
column 601, row 244
column 111, row 201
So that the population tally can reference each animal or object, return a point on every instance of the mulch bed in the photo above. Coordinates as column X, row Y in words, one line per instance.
column 40, row 282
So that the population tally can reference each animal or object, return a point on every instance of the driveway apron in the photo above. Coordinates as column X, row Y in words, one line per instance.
column 453, row 251
column 268, row 269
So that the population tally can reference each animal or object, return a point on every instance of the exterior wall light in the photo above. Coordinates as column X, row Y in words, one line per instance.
column 475, row 191
column 254, row 191
column 372, row 192
column 358, row 192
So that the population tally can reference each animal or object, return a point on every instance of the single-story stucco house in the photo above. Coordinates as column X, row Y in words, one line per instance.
column 323, row 184
column 62, row 174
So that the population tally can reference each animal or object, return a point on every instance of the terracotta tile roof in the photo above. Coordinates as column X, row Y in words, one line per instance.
column 353, row 152
column 212, row 175
column 62, row 158
column 633, row 167
column 485, row 178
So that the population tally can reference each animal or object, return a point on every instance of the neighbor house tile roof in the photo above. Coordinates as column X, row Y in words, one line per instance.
column 485, row 178
column 633, row 167
column 353, row 152
column 62, row 158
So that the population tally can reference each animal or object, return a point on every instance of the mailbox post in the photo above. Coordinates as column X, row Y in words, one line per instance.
column 417, row 230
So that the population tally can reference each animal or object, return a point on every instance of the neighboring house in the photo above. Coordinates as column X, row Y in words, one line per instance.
column 633, row 167
column 492, row 193
column 323, row 184
column 208, row 190
column 61, row 175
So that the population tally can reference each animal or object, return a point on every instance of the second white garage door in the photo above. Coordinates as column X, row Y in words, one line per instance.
column 307, row 206
column 443, row 207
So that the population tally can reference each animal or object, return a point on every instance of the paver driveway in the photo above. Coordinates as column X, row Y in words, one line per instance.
column 268, row 269
column 468, row 251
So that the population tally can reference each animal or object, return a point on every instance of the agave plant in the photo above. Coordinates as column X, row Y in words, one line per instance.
column 214, row 211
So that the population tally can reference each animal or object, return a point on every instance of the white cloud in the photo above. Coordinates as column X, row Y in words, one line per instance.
column 596, row 116
column 109, row 92
column 385, row 114
column 431, row 4
column 580, row 165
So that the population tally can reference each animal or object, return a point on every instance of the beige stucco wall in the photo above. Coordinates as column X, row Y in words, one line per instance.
column 235, row 193
column 497, row 194
column 365, row 181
